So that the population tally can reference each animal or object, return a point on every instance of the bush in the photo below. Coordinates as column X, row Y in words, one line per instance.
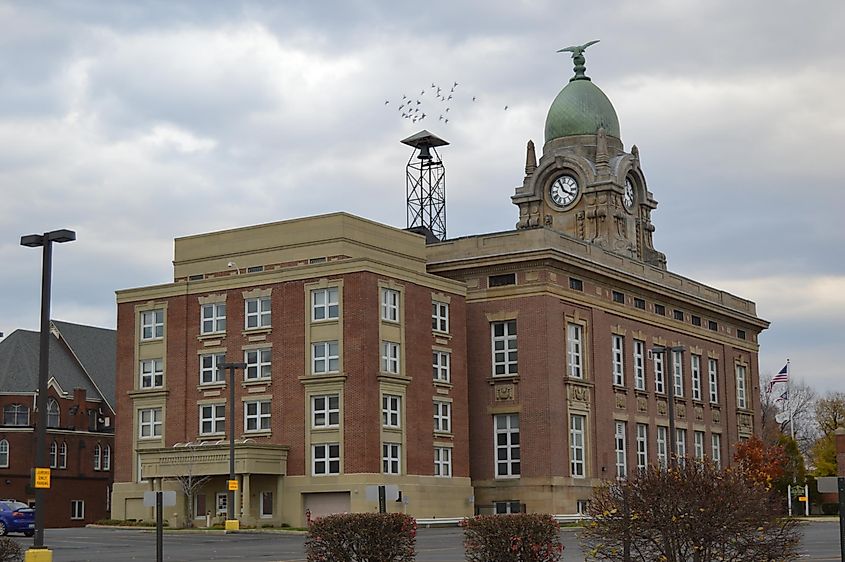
column 520, row 537
column 10, row 550
column 362, row 537
column 830, row 508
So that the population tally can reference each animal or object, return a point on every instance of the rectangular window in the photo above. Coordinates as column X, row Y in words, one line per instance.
column 442, row 416
column 390, row 305
column 441, row 362
column 257, row 364
column 716, row 449
column 620, row 440
column 325, row 410
column 391, row 410
column 659, row 385
column 443, row 462
column 618, row 361
column 440, row 317
column 390, row 458
column 696, row 376
column 257, row 415
column 662, row 446
column 266, row 505
column 698, row 444
column 639, row 364
column 618, row 297
column 506, row 438
column 149, row 423
column 152, row 373
column 501, row 280
column 576, row 446
column 213, row 318
column 696, row 320
column 741, row 395
column 325, row 357
column 678, row 314
column 740, row 334
column 152, row 324
column 504, row 508
column 639, row 303
column 575, row 333
column 713, row 373
column 77, row 509
column 678, row 368
column 681, row 444
column 642, row 446
column 325, row 459
column 324, row 304
column 390, row 357
column 257, row 313
column 660, row 309
column 210, row 371
column 212, row 419
column 222, row 503
column 712, row 325
column 576, row 284
column 255, row 269
column 504, row 347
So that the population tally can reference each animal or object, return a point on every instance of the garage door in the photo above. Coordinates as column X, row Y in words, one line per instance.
column 326, row 503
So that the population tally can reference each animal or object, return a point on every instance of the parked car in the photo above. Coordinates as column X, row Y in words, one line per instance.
column 16, row 517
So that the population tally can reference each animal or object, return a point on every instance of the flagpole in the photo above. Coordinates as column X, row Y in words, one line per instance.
column 789, row 403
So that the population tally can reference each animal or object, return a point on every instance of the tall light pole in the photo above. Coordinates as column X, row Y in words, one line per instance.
column 661, row 350
column 232, row 524
column 44, row 241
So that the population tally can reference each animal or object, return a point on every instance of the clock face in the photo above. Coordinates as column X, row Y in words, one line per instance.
column 628, row 196
column 564, row 190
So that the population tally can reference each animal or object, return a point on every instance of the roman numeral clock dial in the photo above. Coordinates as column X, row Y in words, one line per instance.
column 564, row 190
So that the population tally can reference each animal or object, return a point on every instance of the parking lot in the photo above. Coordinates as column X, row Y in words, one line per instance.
column 820, row 544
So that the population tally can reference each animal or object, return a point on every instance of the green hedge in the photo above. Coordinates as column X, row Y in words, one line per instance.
column 520, row 537
column 362, row 537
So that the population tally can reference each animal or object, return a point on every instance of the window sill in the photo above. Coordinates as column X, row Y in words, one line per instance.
column 325, row 321
column 443, row 434
column 445, row 335
column 257, row 433
column 149, row 393
column 211, row 386
column 211, row 336
column 211, row 436
column 150, row 340
column 257, row 331
column 442, row 383
column 505, row 378
column 325, row 429
column 255, row 382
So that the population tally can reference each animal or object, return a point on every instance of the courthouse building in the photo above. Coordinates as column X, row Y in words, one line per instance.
column 490, row 373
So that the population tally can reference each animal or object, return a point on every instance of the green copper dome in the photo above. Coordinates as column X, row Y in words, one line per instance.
column 580, row 109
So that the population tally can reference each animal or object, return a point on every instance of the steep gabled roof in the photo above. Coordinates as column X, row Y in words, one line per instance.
column 96, row 350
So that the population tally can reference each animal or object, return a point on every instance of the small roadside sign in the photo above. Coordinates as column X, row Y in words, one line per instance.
column 802, row 498
column 827, row 484
column 42, row 478
column 233, row 485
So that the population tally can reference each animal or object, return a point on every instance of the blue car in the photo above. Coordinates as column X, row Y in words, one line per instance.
column 16, row 517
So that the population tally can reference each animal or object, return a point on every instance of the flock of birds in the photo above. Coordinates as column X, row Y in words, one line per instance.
column 417, row 108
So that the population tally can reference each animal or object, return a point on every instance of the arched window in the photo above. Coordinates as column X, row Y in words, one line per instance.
column 98, row 457
column 15, row 414
column 54, row 455
column 4, row 454
column 63, row 455
column 107, row 458
column 52, row 413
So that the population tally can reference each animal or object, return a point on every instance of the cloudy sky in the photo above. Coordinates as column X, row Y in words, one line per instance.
column 136, row 122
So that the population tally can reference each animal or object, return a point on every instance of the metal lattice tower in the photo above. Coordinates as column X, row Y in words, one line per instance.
column 425, row 185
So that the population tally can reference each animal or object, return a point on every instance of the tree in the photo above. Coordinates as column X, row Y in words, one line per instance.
column 190, row 481
column 793, row 466
column 802, row 403
column 830, row 414
column 760, row 463
column 824, row 456
column 694, row 512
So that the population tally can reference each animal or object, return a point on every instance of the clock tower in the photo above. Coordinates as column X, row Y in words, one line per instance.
column 585, row 184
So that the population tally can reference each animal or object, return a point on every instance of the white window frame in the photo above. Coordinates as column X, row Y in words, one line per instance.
column 639, row 364
column 662, row 443
column 391, row 411
column 659, row 374
column 698, row 445
column 54, row 455
column 678, row 373
column 620, row 440
column 325, row 304
column 443, row 462
column 713, row 372
column 325, row 357
column 63, row 455
column 77, row 510
column 15, row 415
column 107, row 457
column 212, row 374
column 152, row 324
column 53, row 414
column 98, row 457
column 260, row 316
column 326, row 411
column 504, row 348
column 441, row 365
column 390, row 357
column 323, row 461
column 213, row 318
column 716, row 449
column 618, row 351
column 695, row 368
column 259, row 363
column 642, row 446
column 575, row 350
column 391, row 458
column 509, row 466
column 152, row 424
column 680, row 444
column 440, row 317
column 577, row 449
column 5, row 455
column 151, row 374
column 221, row 503
column 261, row 502
column 390, row 299
column 215, row 416
column 741, row 391
column 258, row 412
column 442, row 416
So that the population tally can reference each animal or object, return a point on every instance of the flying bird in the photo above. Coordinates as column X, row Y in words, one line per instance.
column 441, row 118
column 455, row 85
column 450, row 97
column 422, row 92
column 473, row 98
column 447, row 109
column 506, row 108
column 386, row 102
column 423, row 116
column 445, row 121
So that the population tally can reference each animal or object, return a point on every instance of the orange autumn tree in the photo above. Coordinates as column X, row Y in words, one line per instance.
column 760, row 463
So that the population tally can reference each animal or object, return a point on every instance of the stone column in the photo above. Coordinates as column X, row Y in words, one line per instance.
column 237, row 511
column 246, row 517
column 277, row 504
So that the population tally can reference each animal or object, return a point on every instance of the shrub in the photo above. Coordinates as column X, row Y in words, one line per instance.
column 520, row 537
column 10, row 551
column 362, row 537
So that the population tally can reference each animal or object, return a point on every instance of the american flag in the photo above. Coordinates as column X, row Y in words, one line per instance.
column 783, row 397
column 782, row 376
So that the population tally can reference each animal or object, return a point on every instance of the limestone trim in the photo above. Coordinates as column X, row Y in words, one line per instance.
column 323, row 330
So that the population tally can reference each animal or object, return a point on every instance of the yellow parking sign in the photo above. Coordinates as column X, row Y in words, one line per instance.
column 42, row 478
column 233, row 485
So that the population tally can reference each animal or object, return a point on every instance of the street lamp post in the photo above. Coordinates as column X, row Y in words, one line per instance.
column 673, row 446
column 44, row 241
column 232, row 524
